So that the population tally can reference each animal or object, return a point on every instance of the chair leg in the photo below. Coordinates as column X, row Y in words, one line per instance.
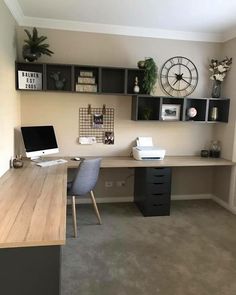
column 95, row 207
column 74, row 216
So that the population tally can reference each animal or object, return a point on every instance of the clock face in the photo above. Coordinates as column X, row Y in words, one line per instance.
column 179, row 76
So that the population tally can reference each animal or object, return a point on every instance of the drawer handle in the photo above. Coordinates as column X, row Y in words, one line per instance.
column 159, row 168
column 157, row 183
column 159, row 175
column 157, row 194
column 157, row 205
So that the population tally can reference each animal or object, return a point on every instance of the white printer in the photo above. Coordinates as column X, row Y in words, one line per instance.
column 146, row 151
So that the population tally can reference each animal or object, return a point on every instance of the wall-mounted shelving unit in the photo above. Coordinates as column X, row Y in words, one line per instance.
column 121, row 81
column 149, row 108
column 109, row 80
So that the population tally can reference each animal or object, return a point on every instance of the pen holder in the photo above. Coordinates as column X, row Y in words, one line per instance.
column 17, row 163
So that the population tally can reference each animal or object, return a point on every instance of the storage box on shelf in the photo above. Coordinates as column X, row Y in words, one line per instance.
column 145, row 107
column 86, row 79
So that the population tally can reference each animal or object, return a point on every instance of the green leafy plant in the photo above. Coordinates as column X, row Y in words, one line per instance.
column 150, row 75
column 34, row 46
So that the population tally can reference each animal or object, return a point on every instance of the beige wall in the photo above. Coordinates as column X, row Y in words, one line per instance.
column 226, row 132
column 87, row 48
column 61, row 110
column 9, row 98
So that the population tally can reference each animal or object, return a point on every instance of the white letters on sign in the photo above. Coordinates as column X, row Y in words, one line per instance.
column 29, row 80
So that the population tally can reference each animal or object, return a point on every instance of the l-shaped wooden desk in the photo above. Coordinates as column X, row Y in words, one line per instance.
column 33, row 220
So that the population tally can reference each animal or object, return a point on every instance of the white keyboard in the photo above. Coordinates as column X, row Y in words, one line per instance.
column 51, row 163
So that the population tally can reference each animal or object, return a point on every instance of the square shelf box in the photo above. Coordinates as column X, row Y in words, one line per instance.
column 222, row 106
column 131, row 75
column 113, row 80
column 171, row 109
column 200, row 105
column 59, row 77
column 29, row 76
column 145, row 108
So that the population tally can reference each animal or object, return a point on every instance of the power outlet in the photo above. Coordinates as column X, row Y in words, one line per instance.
column 108, row 183
column 120, row 183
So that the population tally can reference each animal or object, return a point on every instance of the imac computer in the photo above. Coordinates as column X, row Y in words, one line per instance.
column 39, row 141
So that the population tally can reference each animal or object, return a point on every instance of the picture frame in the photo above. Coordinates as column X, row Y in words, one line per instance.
column 170, row 112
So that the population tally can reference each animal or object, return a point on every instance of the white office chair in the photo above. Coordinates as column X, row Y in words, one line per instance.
column 84, row 180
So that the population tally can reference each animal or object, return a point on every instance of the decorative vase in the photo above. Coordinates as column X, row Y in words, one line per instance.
column 216, row 89
column 214, row 114
column 141, row 64
column 28, row 55
column 215, row 149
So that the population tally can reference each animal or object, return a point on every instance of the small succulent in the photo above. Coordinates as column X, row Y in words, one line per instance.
column 34, row 46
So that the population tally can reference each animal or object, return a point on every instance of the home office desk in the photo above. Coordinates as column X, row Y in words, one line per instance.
column 33, row 220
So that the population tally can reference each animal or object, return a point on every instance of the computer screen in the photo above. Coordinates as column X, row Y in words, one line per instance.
column 39, row 140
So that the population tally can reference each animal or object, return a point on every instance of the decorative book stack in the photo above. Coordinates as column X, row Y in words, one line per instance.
column 86, row 82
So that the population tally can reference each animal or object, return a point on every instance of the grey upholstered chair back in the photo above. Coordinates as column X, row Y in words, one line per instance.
column 86, row 177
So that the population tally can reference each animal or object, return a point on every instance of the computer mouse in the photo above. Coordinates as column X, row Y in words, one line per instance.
column 76, row 158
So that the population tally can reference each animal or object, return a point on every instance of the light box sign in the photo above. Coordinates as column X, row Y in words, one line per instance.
column 29, row 80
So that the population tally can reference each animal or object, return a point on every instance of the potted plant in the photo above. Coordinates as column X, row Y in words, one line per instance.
column 150, row 74
column 34, row 46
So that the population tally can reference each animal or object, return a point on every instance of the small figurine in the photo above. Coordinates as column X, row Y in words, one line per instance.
column 136, row 87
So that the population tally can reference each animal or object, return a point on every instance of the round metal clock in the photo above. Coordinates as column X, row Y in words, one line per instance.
column 179, row 76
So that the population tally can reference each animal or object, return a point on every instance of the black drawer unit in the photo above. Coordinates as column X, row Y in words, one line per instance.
column 152, row 190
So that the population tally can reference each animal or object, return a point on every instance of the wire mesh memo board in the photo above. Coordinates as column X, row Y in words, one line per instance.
column 86, row 123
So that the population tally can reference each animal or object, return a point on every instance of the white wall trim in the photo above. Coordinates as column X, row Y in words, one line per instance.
column 16, row 11
column 121, row 30
column 23, row 20
column 228, row 35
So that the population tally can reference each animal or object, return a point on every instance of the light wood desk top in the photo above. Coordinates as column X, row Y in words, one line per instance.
column 33, row 206
column 33, row 199
column 169, row 161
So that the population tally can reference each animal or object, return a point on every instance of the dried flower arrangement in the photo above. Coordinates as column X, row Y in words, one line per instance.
column 219, row 69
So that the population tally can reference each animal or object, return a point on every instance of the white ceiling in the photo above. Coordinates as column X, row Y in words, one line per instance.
column 202, row 20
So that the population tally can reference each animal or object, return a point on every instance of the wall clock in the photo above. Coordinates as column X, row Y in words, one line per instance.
column 179, row 76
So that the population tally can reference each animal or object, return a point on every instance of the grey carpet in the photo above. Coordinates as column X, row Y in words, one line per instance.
column 191, row 252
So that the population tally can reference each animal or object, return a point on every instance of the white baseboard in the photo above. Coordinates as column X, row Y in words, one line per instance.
column 128, row 199
column 191, row 197
column 224, row 204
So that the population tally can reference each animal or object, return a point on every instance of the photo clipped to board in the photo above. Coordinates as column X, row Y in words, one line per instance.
column 109, row 137
column 98, row 121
